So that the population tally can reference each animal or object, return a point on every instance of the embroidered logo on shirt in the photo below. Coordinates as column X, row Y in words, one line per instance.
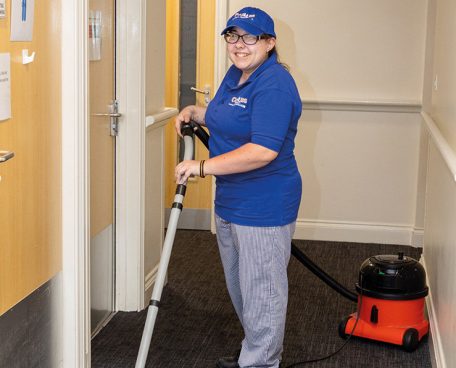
column 238, row 101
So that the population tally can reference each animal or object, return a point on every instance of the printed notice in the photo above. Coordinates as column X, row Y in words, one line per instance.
column 5, row 87
column 22, row 14
column 95, row 35
column 2, row 8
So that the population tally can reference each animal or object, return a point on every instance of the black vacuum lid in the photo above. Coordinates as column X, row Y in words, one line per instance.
column 394, row 277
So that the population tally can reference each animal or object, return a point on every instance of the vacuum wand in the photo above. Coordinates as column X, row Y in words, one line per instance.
column 152, row 311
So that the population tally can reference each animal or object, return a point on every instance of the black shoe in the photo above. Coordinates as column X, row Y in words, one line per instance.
column 232, row 362
column 228, row 362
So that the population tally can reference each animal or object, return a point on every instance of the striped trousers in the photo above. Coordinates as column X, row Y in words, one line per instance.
column 255, row 261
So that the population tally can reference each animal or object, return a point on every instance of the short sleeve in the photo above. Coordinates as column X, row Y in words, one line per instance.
column 272, row 111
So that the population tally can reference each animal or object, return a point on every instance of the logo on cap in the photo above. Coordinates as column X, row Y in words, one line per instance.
column 244, row 15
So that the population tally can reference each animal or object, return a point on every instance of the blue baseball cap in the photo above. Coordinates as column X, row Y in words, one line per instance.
column 252, row 20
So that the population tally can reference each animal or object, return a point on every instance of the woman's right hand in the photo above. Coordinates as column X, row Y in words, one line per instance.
column 185, row 115
column 191, row 112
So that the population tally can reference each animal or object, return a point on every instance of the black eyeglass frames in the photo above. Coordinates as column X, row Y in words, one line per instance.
column 247, row 38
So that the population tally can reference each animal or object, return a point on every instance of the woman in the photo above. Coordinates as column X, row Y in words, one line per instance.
column 253, row 123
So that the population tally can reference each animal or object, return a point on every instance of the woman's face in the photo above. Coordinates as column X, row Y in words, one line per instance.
column 249, row 57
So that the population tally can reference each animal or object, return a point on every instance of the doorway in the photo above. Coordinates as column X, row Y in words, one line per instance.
column 191, row 36
column 102, row 135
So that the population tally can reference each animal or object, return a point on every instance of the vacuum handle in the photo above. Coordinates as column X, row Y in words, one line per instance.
column 200, row 133
column 187, row 129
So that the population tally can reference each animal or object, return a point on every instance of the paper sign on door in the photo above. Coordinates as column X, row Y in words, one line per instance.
column 94, row 35
column 5, row 87
column 22, row 14
column 2, row 8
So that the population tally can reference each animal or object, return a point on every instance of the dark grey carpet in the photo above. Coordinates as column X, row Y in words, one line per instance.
column 196, row 323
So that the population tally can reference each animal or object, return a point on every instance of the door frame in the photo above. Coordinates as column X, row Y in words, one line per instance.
column 75, row 242
column 130, row 151
column 75, row 174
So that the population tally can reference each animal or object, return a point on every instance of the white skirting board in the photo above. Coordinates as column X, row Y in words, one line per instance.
column 198, row 219
column 358, row 232
column 435, row 341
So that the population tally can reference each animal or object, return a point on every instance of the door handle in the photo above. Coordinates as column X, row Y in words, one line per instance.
column 6, row 155
column 114, row 115
column 111, row 115
column 206, row 92
column 197, row 90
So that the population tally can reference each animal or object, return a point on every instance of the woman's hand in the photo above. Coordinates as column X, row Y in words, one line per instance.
column 191, row 112
column 184, row 116
column 185, row 169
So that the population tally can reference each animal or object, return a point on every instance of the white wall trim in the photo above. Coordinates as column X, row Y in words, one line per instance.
column 75, row 241
column 161, row 118
column 356, row 232
column 362, row 105
column 437, row 346
column 418, row 237
column 442, row 145
column 130, row 149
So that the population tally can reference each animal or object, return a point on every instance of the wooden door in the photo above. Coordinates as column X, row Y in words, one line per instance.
column 199, row 191
column 30, row 182
column 102, row 159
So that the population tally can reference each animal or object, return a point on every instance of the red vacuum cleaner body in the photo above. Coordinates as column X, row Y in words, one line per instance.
column 391, row 292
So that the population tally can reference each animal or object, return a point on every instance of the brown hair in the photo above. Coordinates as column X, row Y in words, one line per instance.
column 274, row 51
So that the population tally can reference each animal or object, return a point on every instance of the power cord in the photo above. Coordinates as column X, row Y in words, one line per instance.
column 345, row 342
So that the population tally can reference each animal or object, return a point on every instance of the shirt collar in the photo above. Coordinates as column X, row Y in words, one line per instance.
column 234, row 73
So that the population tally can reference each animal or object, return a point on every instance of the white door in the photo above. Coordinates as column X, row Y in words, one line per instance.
column 102, row 110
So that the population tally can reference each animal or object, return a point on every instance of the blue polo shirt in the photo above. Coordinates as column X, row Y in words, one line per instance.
column 263, row 110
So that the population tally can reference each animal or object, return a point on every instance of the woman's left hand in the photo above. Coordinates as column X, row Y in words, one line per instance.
column 185, row 169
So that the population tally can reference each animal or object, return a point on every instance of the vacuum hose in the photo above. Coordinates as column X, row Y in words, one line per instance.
column 295, row 251
column 200, row 133
column 317, row 271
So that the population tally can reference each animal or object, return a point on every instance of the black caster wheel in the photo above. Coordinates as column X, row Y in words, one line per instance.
column 410, row 340
column 342, row 326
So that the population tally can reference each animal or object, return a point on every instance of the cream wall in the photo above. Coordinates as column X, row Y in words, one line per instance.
column 439, row 241
column 359, row 68
column 352, row 49
column 360, row 172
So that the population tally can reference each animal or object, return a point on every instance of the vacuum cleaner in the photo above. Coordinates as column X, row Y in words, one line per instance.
column 390, row 296
column 390, row 290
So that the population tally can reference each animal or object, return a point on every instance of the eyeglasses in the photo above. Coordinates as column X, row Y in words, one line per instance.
column 247, row 38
